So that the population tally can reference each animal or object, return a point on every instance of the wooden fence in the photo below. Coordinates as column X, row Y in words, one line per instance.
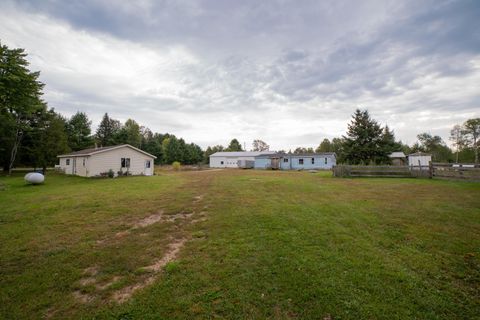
column 434, row 170
column 454, row 171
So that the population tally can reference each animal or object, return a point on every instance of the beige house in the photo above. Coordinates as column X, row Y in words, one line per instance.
column 98, row 161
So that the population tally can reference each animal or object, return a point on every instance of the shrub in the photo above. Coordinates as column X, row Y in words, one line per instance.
column 176, row 165
column 111, row 174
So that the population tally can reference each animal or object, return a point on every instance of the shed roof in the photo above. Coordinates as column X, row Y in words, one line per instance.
column 397, row 154
column 91, row 151
column 240, row 153
column 419, row 154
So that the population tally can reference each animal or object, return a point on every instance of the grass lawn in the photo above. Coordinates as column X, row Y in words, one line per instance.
column 239, row 244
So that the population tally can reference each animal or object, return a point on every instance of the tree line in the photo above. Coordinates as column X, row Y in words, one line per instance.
column 367, row 142
column 31, row 134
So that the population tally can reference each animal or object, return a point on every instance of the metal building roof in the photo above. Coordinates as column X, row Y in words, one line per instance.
column 240, row 153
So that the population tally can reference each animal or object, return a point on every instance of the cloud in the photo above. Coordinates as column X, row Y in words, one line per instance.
column 288, row 72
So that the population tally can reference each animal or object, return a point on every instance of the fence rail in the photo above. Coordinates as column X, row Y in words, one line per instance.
column 434, row 170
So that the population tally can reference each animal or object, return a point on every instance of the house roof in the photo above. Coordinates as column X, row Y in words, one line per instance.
column 91, row 151
column 240, row 153
column 419, row 154
column 299, row 155
column 397, row 154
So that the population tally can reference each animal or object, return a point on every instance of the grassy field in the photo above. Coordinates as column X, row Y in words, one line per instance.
column 239, row 245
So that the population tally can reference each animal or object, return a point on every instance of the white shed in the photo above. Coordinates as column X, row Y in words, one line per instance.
column 98, row 161
column 419, row 159
column 230, row 159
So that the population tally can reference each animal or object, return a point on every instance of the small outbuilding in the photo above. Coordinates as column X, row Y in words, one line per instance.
column 234, row 159
column 306, row 161
column 120, row 159
column 419, row 159
column 398, row 158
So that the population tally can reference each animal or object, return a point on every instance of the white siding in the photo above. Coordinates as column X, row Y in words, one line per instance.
column 227, row 162
column 96, row 164
column 111, row 159
column 424, row 160
column 64, row 167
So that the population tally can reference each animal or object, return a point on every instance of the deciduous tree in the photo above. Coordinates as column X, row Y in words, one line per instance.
column 20, row 102
column 259, row 145
column 472, row 132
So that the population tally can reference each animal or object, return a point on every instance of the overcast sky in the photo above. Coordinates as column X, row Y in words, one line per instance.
column 288, row 72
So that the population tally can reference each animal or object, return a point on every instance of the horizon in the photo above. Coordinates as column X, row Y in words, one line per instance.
column 289, row 73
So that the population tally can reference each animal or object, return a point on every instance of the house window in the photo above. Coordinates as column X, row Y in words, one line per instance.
column 125, row 163
column 67, row 162
column 313, row 160
column 147, row 164
column 84, row 162
column 221, row 162
column 300, row 161
column 326, row 160
column 285, row 159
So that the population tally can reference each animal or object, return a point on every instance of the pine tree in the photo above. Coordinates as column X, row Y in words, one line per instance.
column 234, row 146
column 364, row 140
column 79, row 132
column 107, row 132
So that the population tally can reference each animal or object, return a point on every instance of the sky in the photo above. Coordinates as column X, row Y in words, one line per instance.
column 288, row 72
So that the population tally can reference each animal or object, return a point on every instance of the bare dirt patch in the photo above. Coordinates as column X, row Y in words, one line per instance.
column 109, row 283
column 122, row 234
column 151, row 219
column 125, row 293
column 91, row 271
column 173, row 249
column 82, row 297
column 198, row 198
column 173, row 217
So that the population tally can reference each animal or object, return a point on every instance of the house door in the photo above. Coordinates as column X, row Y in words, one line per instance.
column 74, row 166
column 148, row 167
column 275, row 163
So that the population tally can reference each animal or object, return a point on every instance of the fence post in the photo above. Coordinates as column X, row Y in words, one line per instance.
column 430, row 166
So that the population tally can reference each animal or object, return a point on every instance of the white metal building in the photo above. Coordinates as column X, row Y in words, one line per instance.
column 419, row 159
column 97, row 161
column 230, row 159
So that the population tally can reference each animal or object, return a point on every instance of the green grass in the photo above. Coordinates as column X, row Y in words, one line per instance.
column 279, row 245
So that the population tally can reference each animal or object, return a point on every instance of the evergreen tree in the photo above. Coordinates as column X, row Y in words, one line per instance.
column 363, row 143
column 234, row 146
column 153, row 145
column 388, row 145
column 108, row 131
column 172, row 150
column 79, row 132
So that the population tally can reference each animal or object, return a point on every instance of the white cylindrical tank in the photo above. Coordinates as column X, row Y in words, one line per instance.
column 34, row 178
